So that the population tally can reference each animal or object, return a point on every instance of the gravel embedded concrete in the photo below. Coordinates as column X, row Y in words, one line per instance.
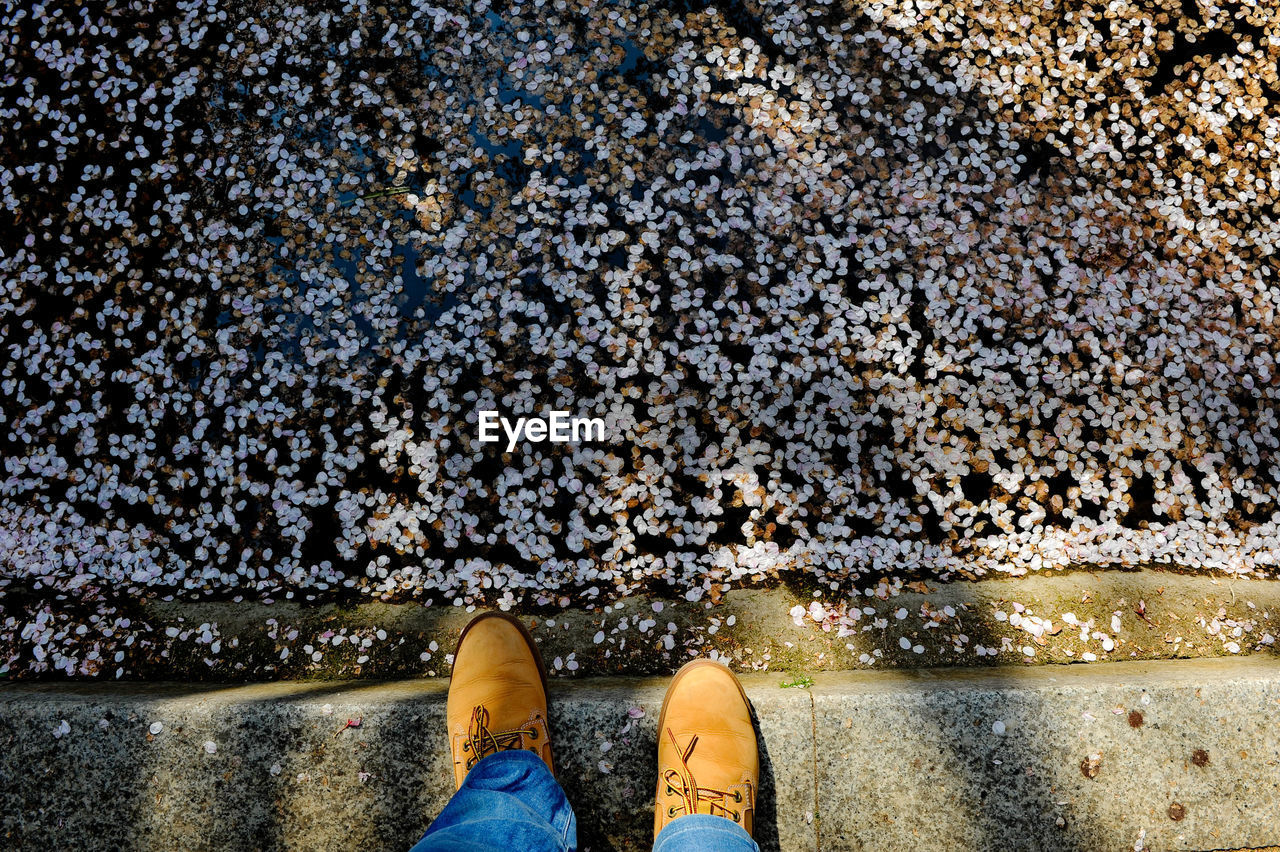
column 1164, row 755
column 868, row 760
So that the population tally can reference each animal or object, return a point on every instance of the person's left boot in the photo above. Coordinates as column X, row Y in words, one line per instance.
column 497, row 694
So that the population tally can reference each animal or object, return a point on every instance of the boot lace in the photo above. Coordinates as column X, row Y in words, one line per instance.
column 680, row 781
column 482, row 742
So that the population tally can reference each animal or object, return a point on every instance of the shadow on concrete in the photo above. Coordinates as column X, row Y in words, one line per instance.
column 285, row 773
column 765, row 829
column 1014, row 802
column 279, row 779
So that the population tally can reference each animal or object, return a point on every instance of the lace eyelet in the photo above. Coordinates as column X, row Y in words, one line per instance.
column 737, row 795
column 466, row 746
column 671, row 812
column 533, row 733
column 737, row 816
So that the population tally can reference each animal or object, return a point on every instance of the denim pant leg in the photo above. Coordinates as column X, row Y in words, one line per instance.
column 509, row 801
column 704, row 833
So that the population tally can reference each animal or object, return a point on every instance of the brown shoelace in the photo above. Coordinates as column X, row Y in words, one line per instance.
column 680, row 780
column 481, row 742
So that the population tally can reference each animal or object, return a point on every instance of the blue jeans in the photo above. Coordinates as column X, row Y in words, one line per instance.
column 511, row 801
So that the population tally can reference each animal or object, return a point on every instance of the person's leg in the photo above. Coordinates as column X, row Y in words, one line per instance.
column 708, row 764
column 509, row 801
column 507, row 797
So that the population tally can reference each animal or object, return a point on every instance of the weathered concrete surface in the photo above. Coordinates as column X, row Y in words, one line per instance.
column 868, row 760
column 1182, row 616
column 285, row 774
column 922, row 766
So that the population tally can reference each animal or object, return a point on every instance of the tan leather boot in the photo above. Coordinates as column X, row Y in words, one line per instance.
column 707, row 757
column 497, row 694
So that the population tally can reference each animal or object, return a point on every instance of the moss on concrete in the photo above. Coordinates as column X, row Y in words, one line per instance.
column 1161, row 615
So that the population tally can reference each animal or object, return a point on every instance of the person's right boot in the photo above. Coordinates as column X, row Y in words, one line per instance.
column 707, row 755
column 497, row 694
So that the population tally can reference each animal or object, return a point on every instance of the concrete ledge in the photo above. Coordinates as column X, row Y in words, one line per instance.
column 1105, row 615
column 868, row 760
column 1096, row 757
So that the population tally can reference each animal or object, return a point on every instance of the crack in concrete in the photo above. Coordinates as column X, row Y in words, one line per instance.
column 813, row 722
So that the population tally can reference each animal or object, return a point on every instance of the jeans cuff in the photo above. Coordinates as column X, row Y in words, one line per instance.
column 704, row 833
